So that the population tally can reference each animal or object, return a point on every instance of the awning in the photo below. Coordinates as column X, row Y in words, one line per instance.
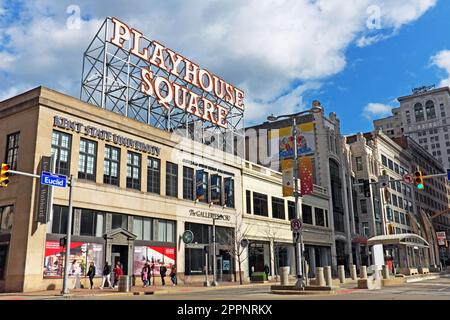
column 407, row 239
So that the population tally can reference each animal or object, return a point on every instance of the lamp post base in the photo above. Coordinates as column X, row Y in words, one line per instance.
column 214, row 284
column 206, row 283
column 299, row 284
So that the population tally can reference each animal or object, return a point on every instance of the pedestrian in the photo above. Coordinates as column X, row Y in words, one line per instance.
column 173, row 275
column 91, row 274
column 162, row 273
column 117, row 273
column 106, row 275
column 266, row 271
column 144, row 274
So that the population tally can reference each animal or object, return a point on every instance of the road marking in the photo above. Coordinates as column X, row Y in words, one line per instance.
column 443, row 289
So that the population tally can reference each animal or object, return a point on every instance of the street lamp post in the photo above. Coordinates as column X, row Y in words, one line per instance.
column 214, row 282
column 299, row 248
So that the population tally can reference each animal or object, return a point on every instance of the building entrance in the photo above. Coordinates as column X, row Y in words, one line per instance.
column 119, row 253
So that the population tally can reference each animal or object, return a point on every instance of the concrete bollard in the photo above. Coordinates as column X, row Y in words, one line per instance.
column 284, row 272
column 341, row 273
column 353, row 272
column 385, row 272
column 328, row 276
column 363, row 274
column 320, row 279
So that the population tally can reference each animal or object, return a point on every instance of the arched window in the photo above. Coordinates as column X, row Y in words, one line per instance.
column 418, row 111
column 429, row 106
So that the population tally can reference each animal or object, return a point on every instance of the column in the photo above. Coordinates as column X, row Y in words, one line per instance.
column 312, row 261
column 272, row 260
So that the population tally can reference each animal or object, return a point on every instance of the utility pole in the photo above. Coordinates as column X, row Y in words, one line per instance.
column 69, row 234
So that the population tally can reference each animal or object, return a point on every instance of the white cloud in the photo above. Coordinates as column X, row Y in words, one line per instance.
column 377, row 110
column 262, row 47
column 442, row 60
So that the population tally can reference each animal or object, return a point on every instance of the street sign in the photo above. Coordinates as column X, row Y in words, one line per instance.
column 441, row 238
column 296, row 225
column 384, row 181
column 188, row 236
column 408, row 178
column 44, row 194
column 56, row 180
column 244, row 243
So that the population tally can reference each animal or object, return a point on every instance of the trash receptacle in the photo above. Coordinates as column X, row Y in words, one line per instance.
column 124, row 284
column 284, row 273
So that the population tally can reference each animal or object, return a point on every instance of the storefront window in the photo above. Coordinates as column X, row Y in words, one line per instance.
column 194, row 261
column 59, row 223
column 142, row 227
column 165, row 230
column 119, row 221
column 155, row 256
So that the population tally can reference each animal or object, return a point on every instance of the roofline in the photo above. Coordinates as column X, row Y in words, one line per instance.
column 446, row 89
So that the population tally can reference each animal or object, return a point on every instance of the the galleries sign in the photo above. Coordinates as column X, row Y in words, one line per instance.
column 178, row 82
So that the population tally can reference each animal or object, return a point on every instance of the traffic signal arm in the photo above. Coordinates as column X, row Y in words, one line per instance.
column 440, row 213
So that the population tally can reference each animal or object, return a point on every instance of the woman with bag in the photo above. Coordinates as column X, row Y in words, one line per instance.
column 144, row 274
column 173, row 275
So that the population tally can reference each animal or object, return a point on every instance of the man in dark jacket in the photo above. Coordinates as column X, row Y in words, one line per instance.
column 91, row 274
column 162, row 272
column 106, row 275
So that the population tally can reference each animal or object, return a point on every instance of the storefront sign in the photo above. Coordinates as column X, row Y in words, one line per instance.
column 441, row 238
column 100, row 134
column 209, row 215
column 175, row 81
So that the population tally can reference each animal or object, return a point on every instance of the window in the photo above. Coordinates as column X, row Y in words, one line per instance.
column 260, row 204
column 165, row 230
column 408, row 221
column 12, row 148
column 320, row 219
column 248, row 200
column 396, row 168
column 3, row 256
column 119, row 221
column 394, row 200
column 202, row 185
column 61, row 144
column 216, row 189
column 6, row 218
column 390, row 164
column 133, row 170
column 418, row 112
column 396, row 217
column 307, row 214
column 87, row 160
column 402, row 218
column 363, row 204
column 188, row 183
column 400, row 202
column 229, row 192
column 112, row 165
column 379, row 228
column 154, row 175
column 142, row 228
column 59, row 223
column 429, row 106
column 171, row 179
column 359, row 164
column 291, row 210
column 365, row 227
column 384, row 160
column 91, row 223
column 278, row 208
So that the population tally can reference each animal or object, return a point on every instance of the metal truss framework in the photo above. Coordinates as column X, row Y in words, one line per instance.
column 111, row 79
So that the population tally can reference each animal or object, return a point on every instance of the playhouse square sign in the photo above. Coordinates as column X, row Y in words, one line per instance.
column 169, row 92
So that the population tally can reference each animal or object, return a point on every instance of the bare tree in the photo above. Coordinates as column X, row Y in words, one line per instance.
column 236, row 250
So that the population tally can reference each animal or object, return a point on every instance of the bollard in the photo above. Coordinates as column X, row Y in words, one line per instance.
column 320, row 279
column 353, row 271
column 124, row 284
column 284, row 272
column 363, row 272
column 385, row 272
column 341, row 273
column 328, row 277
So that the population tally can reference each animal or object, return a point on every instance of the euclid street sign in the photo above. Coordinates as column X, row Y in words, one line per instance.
column 53, row 180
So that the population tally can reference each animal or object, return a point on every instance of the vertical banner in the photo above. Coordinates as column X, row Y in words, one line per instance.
column 306, row 176
column 305, row 141
column 200, row 186
column 287, row 168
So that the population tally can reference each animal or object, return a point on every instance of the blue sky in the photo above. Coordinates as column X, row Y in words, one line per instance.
column 282, row 53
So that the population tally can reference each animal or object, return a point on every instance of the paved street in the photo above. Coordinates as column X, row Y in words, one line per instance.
column 436, row 289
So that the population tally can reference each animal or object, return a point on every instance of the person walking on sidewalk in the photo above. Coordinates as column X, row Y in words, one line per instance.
column 91, row 274
column 117, row 273
column 266, row 271
column 173, row 275
column 162, row 273
column 106, row 275
column 145, row 273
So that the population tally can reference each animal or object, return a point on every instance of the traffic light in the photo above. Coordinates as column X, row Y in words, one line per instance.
column 366, row 188
column 418, row 182
column 4, row 175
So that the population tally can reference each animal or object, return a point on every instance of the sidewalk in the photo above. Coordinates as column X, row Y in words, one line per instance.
column 182, row 288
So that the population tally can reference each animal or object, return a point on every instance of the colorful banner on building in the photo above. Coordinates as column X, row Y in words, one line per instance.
column 81, row 255
column 155, row 256
column 441, row 237
column 287, row 168
column 305, row 141
column 306, row 175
